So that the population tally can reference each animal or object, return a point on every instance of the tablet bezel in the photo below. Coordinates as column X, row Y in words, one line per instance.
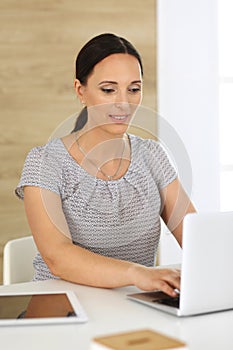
column 80, row 317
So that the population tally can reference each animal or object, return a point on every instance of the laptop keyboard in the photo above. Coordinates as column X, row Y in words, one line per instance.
column 174, row 302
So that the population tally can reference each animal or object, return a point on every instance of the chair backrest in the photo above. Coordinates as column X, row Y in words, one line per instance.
column 18, row 255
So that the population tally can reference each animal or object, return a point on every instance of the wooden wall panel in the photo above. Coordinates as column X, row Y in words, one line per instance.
column 39, row 41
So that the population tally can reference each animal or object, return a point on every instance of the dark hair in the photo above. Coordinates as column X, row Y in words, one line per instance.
column 92, row 53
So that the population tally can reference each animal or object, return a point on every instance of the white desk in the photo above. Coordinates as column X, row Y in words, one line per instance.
column 109, row 311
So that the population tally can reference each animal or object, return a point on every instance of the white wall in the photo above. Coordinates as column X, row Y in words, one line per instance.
column 188, row 95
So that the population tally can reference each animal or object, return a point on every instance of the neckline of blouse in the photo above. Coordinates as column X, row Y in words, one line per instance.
column 85, row 172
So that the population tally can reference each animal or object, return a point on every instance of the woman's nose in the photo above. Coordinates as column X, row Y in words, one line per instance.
column 121, row 96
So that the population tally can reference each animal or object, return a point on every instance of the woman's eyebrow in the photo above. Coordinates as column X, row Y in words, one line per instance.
column 114, row 82
column 107, row 82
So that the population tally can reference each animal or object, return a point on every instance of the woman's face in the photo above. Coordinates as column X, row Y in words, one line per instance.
column 112, row 93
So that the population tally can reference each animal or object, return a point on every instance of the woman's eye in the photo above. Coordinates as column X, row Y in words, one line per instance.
column 107, row 90
column 134, row 89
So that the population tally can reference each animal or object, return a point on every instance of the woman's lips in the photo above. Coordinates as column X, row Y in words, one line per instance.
column 119, row 118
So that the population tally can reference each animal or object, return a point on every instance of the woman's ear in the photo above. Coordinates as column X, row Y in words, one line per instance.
column 79, row 89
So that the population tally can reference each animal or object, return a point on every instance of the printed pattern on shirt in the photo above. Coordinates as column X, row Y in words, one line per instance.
column 119, row 218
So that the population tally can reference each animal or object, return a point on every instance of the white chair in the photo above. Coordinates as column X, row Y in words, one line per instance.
column 18, row 255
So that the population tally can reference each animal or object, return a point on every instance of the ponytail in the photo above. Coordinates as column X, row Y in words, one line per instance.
column 81, row 120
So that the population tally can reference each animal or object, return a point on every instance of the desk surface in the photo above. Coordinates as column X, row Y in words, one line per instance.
column 109, row 311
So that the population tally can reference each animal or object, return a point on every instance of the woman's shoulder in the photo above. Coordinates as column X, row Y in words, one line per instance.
column 43, row 167
column 155, row 158
column 46, row 158
column 150, row 150
column 52, row 149
column 140, row 143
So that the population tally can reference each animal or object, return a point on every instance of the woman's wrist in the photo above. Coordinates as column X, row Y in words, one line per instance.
column 132, row 273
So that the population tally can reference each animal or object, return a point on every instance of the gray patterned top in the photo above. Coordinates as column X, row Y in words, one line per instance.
column 118, row 218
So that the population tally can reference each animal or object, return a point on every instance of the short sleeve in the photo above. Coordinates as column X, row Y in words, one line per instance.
column 162, row 167
column 41, row 169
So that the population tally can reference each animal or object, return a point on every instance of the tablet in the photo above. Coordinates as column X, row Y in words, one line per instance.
column 40, row 308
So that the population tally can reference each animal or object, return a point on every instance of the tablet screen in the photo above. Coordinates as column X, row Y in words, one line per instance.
column 35, row 306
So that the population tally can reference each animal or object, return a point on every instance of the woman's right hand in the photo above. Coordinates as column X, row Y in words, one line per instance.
column 152, row 278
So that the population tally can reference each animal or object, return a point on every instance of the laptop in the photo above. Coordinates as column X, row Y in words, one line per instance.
column 206, row 273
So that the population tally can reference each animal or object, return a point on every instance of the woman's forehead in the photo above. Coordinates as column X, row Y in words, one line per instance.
column 116, row 67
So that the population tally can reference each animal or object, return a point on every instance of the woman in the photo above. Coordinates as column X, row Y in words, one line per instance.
column 93, row 199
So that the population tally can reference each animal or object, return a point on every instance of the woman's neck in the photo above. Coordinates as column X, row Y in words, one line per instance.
column 100, row 142
column 104, row 157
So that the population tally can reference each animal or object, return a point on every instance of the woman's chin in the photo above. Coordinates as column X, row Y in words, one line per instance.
column 116, row 128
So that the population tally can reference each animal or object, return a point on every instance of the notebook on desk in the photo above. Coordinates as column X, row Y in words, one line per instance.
column 206, row 274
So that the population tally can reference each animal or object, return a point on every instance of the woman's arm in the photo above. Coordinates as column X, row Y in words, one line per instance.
column 176, row 204
column 75, row 264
